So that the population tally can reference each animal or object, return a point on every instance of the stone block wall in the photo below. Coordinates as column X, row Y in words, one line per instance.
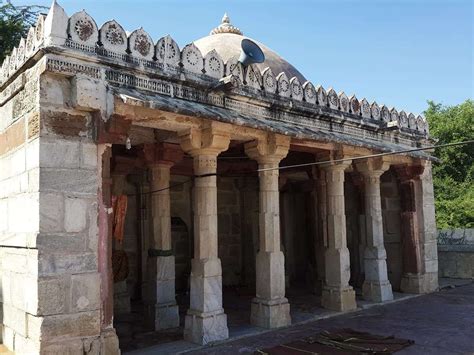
column 391, row 224
column 456, row 261
column 49, row 180
column 229, row 230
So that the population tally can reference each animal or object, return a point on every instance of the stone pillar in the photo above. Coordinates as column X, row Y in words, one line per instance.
column 205, row 321
column 270, row 308
column 418, row 229
column 376, row 286
column 160, row 158
column 337, row 294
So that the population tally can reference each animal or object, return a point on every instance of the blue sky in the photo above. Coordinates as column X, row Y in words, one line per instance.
column 397, row 52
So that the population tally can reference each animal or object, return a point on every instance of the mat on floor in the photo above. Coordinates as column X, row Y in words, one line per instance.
column 340, row 341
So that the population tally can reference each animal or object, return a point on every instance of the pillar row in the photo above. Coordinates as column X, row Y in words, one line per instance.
column 337, row 294
column 205, row 320
column 270, row 307
column 376, row 285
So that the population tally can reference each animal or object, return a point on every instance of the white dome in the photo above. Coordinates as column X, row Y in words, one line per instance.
column 226, row 40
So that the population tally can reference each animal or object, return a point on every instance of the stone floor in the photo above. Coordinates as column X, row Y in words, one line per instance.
column 439, row 323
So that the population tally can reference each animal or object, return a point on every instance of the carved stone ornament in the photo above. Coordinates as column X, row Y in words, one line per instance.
column 167, row 51
column 12, row 66
column 354, row 105
column 283, row 85
column 309, row 92
column 83, row 29
column 191, row 58
column 233, row 67
column 420, row 124
column 269, row 80
column 343, row 102
column 365, row 108
column 394, row 115
column 113, row 37
column 141, row 45
column 226, row 27
column 403, row 119
column 333, row 99
column 322, row 96
column 412, row 121
column 214, row 65
column 385, row 114
column 39, row 31
column 253, row 78
column 20, row 54
column 30, row 42
column 296, row 89
column 375, row 110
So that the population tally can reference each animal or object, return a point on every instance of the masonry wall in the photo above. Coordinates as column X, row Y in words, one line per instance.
column 48, row 221
column 19, row 212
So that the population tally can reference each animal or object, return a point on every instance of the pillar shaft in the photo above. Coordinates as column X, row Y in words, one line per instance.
column 376, row 285
column 337, row 294
column 166, row 309
column 270, row 308
column 205, row 321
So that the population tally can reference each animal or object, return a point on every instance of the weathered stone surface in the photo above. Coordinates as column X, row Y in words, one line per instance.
column 85, row 292
column 270, row 314
column 207, row 329
column 75, row 214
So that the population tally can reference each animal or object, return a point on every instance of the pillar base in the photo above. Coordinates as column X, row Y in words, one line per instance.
column 270, row 313
column 377, row 291
column 166, row 316
column 205, row 328
column 338, row 299
column 419, row 283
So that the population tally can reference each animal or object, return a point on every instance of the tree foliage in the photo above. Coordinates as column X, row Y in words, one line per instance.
column 453, row 178
column 14, row 24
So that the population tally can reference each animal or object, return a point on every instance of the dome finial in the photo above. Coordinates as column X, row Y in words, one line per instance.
column 226, row 27
column 225, row 18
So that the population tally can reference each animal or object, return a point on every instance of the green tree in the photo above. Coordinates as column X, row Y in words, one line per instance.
column 453, row 177
column 14, row 24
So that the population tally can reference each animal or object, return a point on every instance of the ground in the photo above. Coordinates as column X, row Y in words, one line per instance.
column 439, row 323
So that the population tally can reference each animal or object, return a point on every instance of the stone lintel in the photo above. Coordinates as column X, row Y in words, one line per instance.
column 407, row 173
column 166, row 154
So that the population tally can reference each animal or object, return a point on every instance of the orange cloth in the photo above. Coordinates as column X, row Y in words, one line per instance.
column 119, row 204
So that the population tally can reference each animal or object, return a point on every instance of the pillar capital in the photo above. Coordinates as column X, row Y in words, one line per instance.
column 331, row 158
column 270, row 150
column 212, row 139
column 372, row 166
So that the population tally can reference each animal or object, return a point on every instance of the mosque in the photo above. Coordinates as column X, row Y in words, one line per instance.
column 203, row 191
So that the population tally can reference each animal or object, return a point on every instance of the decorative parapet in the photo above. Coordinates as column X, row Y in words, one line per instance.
column 81, row 33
